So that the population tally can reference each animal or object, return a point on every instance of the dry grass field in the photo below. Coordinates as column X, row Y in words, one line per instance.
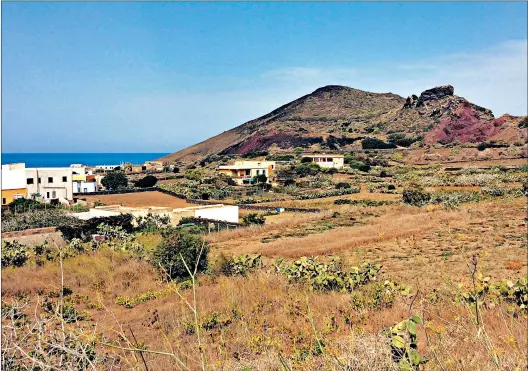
column 140, row 199
column 262, row 320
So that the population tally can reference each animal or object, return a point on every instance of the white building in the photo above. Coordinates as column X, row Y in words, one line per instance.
column 53, row 183
column 220, row 212
column 328, row 161
column 106, row 167
column 13, row 182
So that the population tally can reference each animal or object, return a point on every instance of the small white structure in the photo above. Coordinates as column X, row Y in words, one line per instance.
column 85, row 187
column 328, row 161
column 220, row 212
column 95, row 213
column 106, row 167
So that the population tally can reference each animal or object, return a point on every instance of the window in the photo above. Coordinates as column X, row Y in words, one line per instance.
column 4, row 201
column 258, row 172
column 53, row 194
column 17, row 196
column 39, row 180
column 329, row 159
column 29, row 181
column 64, row 179
column 50, row 179
column 47, row 195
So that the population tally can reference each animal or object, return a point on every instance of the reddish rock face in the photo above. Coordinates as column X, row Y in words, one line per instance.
column 465, row 124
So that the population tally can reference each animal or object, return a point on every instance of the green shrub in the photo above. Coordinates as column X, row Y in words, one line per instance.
column 152, row 222
column 253, row 219
column 343, row 185
column 359, row 165
column 306, row 160
column 178, row 246
column 23, row 204
column 374, row 143
column 14, row 254
column 404, row 344
column 306, row 169
column 280, row 157
column 329, row 276
column 482, row 146
column 416, row 196
column 240, row 265
column 335, row 192
column 146, row 182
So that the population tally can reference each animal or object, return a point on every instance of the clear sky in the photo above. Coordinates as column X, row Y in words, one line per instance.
column 157, row 77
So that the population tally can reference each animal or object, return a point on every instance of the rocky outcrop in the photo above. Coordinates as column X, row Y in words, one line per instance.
column 411, row 101
column 436, row 93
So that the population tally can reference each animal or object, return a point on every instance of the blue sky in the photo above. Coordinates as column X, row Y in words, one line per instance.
column 157, row 77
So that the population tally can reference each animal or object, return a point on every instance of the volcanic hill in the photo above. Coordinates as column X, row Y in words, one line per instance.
column 338, row 118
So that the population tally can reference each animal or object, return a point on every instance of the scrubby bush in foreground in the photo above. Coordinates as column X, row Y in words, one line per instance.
column 179, row 253
column 253, row 219
column 416, row 196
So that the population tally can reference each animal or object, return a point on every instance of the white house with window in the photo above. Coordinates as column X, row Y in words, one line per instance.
column 328, row 161
column 53, row 183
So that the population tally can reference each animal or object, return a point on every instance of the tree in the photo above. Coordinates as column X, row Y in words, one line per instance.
column 261, row 178
column 114, row 180
column 148, row 181
column 306, row 160
column 177, row 247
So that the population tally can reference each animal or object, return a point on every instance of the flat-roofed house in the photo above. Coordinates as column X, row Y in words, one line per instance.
column 327, row 161
column 246, row 172
column 50, row 183
column 13, row 182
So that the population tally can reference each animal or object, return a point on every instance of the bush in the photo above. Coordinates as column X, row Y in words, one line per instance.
column 343, row 185
column 38, row 219
column 306, row 160
column 148, row 181
column 254, row 154
column 374, row 143
column 359, row 165
column 178, row 245
column 253, row 219
column 401, row 140
column 306, row 169
column 415, row 197
column 114, row 180
column 482, row 146
column 23, row 204
column 280, row 157
column 152, row 222
column 13, row 254
column 84, row 229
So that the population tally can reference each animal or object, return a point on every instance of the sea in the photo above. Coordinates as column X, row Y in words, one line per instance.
column 89, row 159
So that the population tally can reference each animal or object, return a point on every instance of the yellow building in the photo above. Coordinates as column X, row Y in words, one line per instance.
column 246, row 172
